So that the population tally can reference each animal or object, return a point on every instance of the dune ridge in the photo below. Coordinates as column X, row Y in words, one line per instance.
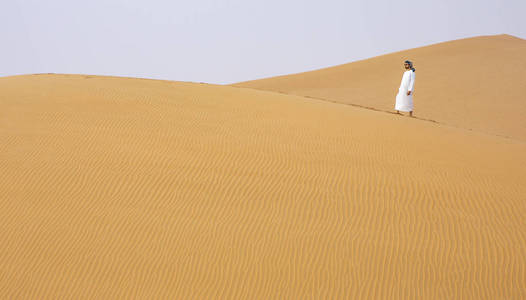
column 127, row 188
column 475, row 83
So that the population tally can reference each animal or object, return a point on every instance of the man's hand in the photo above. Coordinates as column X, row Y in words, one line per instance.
column 408, row 93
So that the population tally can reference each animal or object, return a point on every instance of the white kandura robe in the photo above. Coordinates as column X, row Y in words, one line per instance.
column 403, row 101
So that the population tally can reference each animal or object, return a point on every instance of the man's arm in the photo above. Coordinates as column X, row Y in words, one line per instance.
column 411, row 83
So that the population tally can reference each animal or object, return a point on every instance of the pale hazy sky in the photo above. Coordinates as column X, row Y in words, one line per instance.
column 225, row 41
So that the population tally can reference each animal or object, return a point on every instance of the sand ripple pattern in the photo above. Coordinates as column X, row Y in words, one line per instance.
column 129, row 188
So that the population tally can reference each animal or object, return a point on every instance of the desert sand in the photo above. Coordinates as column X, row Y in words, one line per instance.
column 475, row 83
column 132, row 188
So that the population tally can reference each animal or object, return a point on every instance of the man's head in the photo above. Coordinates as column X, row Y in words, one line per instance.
column 409, row 65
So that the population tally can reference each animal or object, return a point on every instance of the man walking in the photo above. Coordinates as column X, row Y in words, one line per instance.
column 404, row 98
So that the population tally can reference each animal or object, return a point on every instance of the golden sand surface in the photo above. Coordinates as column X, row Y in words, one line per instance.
column 144, row 189
column 475, row 83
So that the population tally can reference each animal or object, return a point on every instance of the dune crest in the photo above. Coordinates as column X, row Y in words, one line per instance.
column 128, row 188
column 474, row 83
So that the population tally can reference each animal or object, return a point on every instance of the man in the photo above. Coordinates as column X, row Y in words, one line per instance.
column 404, row 98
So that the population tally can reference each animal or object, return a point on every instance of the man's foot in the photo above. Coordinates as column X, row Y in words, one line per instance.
column 397, row 112
column 411, row 113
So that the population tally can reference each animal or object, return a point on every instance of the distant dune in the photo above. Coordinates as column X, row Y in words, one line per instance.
column 476, row 83
column 129, row 188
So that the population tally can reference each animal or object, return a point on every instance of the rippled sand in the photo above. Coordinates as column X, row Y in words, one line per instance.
column 130, row 188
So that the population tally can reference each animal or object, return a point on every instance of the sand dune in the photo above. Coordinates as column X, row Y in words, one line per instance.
column 129, row 188
column 476, row 83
